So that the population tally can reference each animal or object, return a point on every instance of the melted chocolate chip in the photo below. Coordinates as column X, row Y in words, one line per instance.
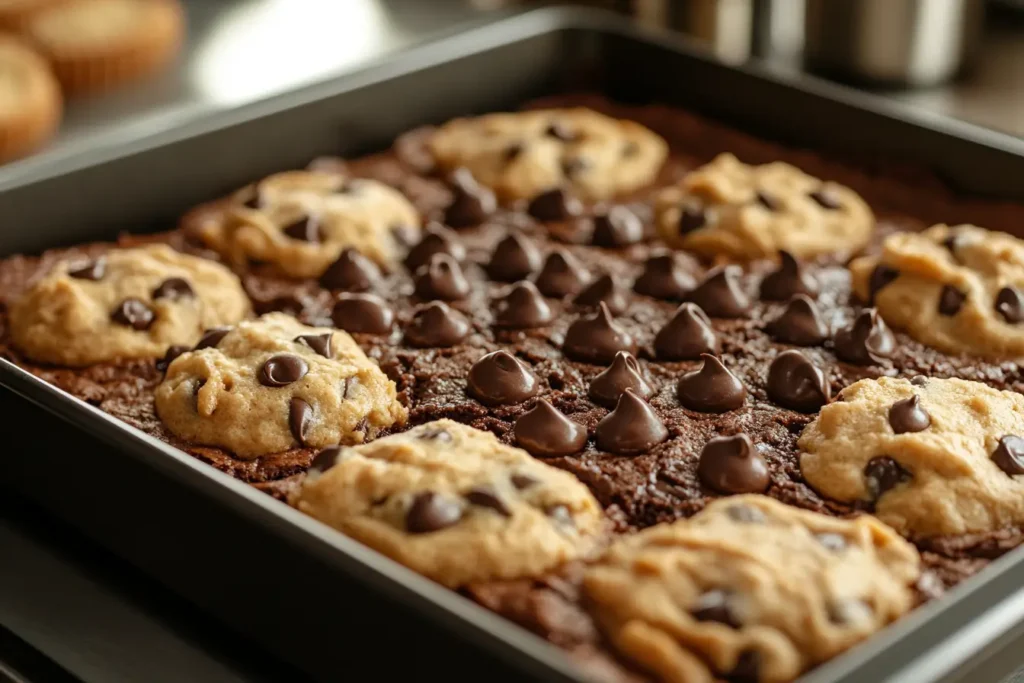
column 522, row 307
column 133, row 313
column 868, row 340
column 544, row 432
column 351, row 272
column 747, row 668
column 799, row 324
column 441, row 278
column 362, row 313
column 431, row 512
column 500, row 378
column 436, row 325
column 826, row 199
column 92, row 270
column 632, row 428
column 555, row 205
column 731, row 464
column 486, row 497
column 711, row 388
column 513, row 151
column 692, row 216
column 514, row 258
column 605, row 289
column 788, row 280
column 880, row 277
column 174, row 288
column 768, row 201
column 881, row 474
column 212, row 337
column 561, row 275
column 619, row 227
column 281, row 370
column 794, row 382
column 1009, row 455
column 472, row 203
column 664, row 278
column 951, row 300
column 437, row 239
column 716, row 605
column 306, row 229
column 560, row 132
column 325, row 460
column 1010, row 305
column 687, row 336
column 720, row 294
column 624, row 373
column 299, row 417
column 172, row 353
column 320, row 343
column 832, row 542
column 596, row 338
column 907, row 416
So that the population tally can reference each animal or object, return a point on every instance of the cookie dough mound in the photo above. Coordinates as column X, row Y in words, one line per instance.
column 749, row 589
column 959, row 289
column 730, row 209
column 272, row 384
column 519, row 155
column 129, row 303
column 454, row 504
column 301, row 221
column 936, row 456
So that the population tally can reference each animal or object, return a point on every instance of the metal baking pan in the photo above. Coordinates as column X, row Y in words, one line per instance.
column 310, row 596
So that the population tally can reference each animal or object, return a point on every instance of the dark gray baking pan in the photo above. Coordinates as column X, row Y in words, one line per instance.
column 308, row 595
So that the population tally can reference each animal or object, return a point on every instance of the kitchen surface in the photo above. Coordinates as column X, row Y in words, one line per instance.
column 69, row 611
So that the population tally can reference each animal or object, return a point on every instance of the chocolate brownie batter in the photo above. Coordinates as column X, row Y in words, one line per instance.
column 491, row 350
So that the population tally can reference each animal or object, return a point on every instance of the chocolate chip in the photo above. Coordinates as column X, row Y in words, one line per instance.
column 880, row 277
column 351, row 272
column 306, row 229
column 514, row 258
column 560, row 132
column 174, row 288
column 573, row 166
column 320, row 343
column 471, row 204
column 513, row 151
column 799, row 324
column 795, row 382
column 686, row 336
column 788, row 280
column 731, row 464
column 433, row 433
column 92, row 270
column 720, row 294
column 436, row 325
column 561, row 275
column 500, row 378
column 281, row 370
column 133, row 313
column 664, row 278
column 846, row 611
column 486, row 497
column 747, row 668
column 555, row 205
column 768, row 201
column 624, row 373
column 172, row 352
column 362, row 313
column 523, row 481
column 619, row 227
column 745, row 514
column 431, row 512
column 692, row 216
column 951, row 300
column 212, row 337
column 716, row 605
column 544, row 432
column 299, row 417
column 1009, row 455
column 441, row 278
column 255, row 200
column 596, row 338
column 868, row 340
column 826, row 199
column 632, row 428
column 711, row 388
column 952, row 243
column 522, row 307
column 325, row 460
column 832, row 542
column 907, row 416
column 605, row 289
column 1010, row 305
column 437, row 239
column 881, row 474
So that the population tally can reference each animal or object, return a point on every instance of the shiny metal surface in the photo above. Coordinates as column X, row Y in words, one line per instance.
column 912, row 42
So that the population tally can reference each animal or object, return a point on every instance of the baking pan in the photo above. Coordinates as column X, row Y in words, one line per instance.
column 306, row 593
